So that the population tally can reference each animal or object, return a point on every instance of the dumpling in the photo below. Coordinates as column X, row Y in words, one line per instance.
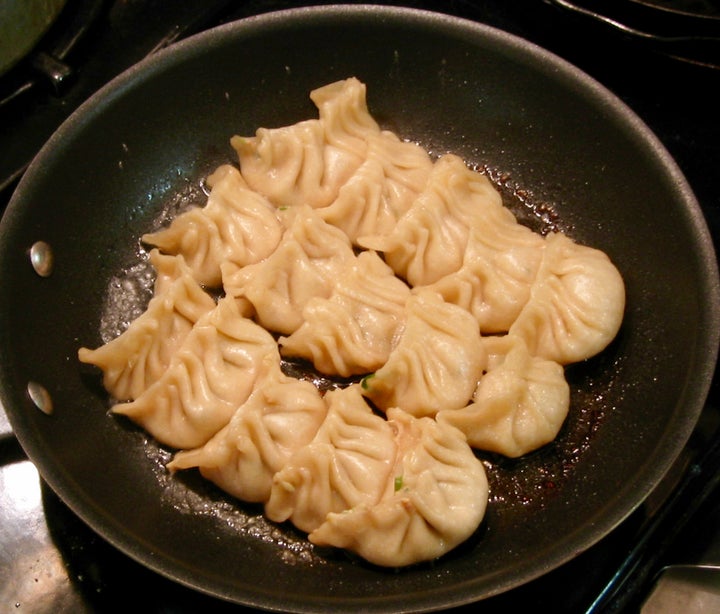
column 236, row 225
column 499, row 267
column 305, row 265
column 343, row 112
column 354, row 330
column 519, row 405
column 382, row 189
column 576, row 304
column 292, row 165
column 429, row 240
column 437, row 362
column 347, row 463
column 137, row 358
column 281, row 415
column 210, row 375
column 434, row 499
column 168, row 270
column 306, row 163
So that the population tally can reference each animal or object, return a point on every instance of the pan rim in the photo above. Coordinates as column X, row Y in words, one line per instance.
column 145, row 69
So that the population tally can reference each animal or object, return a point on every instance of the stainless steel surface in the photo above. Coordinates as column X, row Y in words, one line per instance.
column 41, row 258
column 686, row 589
column 40, row 397
column 35, row 575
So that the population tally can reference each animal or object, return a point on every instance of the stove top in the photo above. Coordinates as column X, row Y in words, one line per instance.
column 662, row 57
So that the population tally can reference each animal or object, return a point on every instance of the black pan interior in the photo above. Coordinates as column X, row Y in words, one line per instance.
column 551, row 133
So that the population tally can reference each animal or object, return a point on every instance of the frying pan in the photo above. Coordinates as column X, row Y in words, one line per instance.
column 561, row 147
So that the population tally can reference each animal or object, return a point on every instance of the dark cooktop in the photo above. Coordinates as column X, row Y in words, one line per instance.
column 662, row 57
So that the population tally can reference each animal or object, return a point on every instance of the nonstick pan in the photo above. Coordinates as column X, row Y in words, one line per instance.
column 566, row 153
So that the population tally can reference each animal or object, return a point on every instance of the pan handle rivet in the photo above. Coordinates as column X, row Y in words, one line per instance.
column 40, row 396
column 41, row 258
